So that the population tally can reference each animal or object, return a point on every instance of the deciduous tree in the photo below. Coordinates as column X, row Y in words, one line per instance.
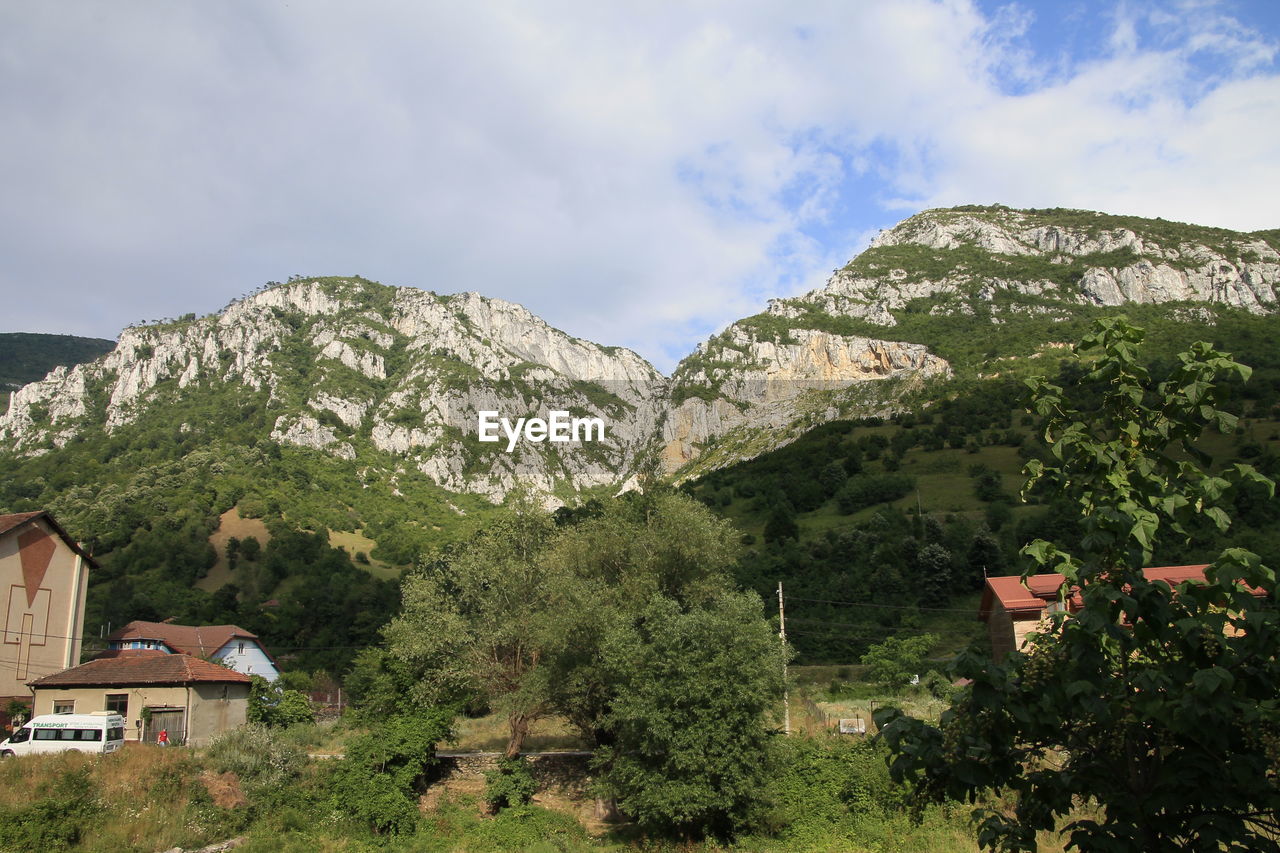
column 1148, row 720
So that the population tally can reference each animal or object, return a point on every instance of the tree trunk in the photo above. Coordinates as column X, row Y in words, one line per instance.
column 519, row 727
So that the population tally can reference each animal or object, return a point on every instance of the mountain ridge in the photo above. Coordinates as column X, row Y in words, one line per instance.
column 347, row 363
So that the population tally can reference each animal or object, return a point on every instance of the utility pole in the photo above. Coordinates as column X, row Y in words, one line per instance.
column 782, row 635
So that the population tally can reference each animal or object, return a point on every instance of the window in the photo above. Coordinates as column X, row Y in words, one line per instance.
column 64, row 706
column 47, row 734
column 21, row 736
column 115, row 734
column 118, row 703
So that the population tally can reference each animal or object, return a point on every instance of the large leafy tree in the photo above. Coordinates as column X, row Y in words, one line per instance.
column 474, row 621
column 1149, row 720
column 692, row 688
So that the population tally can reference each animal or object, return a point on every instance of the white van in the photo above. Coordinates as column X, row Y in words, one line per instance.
column 100, row 731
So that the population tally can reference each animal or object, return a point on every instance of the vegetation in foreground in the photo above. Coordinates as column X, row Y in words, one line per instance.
column 827, row 794
column 1155, row 706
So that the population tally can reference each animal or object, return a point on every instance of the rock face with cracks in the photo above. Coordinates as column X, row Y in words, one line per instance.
column 350, row 367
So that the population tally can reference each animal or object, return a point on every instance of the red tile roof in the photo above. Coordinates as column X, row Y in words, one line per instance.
column 13, row 521
column 142, row 667
column 201, row 641
column 8, row 522
column 1027, row 601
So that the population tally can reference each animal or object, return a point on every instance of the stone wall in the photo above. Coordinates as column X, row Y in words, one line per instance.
column 564, row 770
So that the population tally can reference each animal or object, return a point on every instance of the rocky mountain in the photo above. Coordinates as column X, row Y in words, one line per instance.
column 347, row 364
column 357, row 370
column 969, row 291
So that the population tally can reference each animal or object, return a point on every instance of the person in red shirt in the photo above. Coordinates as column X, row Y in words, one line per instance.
column 162, row 739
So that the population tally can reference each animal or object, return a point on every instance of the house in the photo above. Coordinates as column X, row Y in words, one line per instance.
column 1013, row 608
column 44, row 575
column 230, row 644
column 190, row 698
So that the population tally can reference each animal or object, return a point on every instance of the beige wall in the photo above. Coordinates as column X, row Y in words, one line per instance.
column 209, row 709
column 41, row 611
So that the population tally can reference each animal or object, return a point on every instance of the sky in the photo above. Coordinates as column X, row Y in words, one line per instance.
column 637, row 174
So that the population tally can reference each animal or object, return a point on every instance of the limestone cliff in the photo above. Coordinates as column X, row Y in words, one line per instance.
column 361, row 371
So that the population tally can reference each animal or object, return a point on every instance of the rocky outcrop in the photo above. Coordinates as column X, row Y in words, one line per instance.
column 351, row 368
column 770, row 390
column 1116, row 266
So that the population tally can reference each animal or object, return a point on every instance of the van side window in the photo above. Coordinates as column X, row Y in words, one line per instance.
column 47, row 734
column 21, row 736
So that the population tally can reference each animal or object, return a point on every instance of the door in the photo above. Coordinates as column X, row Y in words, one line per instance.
column 171, row 720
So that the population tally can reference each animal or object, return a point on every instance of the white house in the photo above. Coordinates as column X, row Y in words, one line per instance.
column 233, row 646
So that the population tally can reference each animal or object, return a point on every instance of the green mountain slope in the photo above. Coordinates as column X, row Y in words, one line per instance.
column 847, row 431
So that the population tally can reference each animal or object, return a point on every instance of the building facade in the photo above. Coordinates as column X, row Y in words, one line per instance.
column 44, row 575
column 192, row 700
column 230, row 644
column 1013, row 607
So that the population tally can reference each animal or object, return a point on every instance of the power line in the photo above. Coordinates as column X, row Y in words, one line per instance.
column 883, row 606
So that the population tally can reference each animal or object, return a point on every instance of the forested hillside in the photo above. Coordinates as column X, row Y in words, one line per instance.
column 26, row 357
column 879, row 527
column 865, row 438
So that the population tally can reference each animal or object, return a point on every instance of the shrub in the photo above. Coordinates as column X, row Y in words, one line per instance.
column 56, row 820
column 510, row 784
column 375, row 784
column 257, row 754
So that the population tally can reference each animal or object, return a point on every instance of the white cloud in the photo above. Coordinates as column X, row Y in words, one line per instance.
column 639, row 174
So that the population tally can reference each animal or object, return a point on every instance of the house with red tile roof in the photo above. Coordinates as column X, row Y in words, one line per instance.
column 44, row 575
column 189, row 698
column 230, row 644
column 1013, row 608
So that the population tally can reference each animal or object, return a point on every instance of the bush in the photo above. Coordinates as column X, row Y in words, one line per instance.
column 271, row 705
column 57, row 820
column 257, row 754
column 510, row 784
column 377, row 781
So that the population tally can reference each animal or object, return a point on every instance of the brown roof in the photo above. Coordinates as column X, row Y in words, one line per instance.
column 1027, row 600
column 201, row 641
column 13, row 521
column 141, row 667
column 8, row 522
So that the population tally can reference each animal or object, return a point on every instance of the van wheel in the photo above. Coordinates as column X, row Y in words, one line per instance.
column 6, row 753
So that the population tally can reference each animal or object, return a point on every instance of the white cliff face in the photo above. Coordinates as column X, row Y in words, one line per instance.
column 350, row 368
column 1118, row 267
column 774, row 390
column 325, row 350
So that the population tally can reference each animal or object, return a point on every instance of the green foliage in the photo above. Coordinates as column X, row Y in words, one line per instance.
column 823, row 790
column 893, row 663
column 272, row 706
column 691, row 690
column 1154, row 707
column 28, row 357
column 465, row 627
column 59, row 815
column 508, row 785
column 376, row 782
column 864, row 490
column 379, row 685
column 259, row 755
